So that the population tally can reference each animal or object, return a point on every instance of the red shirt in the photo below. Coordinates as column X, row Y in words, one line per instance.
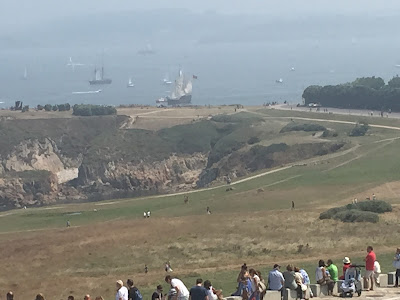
column 369, row 261
column 345, row 267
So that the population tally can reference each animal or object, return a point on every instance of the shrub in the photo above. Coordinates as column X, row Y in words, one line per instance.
column 54, row 108
column 354, row 215
column 253, row 140
column 365, row 211
column 302, row 127
column 25, row 108
column 359, row 130
column 93, row 110
column 47, row 107
column 40, row 107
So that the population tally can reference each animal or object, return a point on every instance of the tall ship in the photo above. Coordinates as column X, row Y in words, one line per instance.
column 182, row 94
column 99, row 77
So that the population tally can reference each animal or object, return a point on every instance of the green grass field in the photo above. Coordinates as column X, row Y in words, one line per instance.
column 251, row 223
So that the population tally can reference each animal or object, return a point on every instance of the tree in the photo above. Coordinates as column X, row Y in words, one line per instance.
column 371, row 82
column 394, row 82
column 61, row 107
column 40, row 107
column 55, row 107
column 311, row 94
column 67, row 107
column 25, row 108
column 47, row 107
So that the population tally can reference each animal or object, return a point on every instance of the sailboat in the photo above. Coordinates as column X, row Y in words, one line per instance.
column 99, row 77
column 130, row 83
column 166, row 80
column 25, row 76
column 148, row 50
column 182, row 94
column 280, row 80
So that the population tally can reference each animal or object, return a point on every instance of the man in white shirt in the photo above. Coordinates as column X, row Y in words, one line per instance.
column 179, row 286
column 122, row 292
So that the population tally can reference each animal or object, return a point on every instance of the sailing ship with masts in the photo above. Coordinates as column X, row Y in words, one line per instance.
column 99, row 77
column 182, row 94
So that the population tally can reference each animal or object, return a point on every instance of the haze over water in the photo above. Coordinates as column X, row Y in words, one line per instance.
column 230, row 70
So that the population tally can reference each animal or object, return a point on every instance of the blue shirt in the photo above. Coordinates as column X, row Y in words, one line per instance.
column 275, row 279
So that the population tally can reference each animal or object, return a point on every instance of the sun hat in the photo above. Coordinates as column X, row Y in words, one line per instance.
column 346, row 260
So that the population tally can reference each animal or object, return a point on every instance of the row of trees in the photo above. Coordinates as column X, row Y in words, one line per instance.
column 56, row 107
column 93, row 110
column 363, row 93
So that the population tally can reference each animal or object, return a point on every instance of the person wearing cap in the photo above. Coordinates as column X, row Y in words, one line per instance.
column 158, row 293
column 122, row 291
column 275, row 279
column 346, row 265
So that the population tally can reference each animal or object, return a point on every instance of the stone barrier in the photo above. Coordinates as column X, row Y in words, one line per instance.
column 391, row 278
column 289, row 294
column 272, row 295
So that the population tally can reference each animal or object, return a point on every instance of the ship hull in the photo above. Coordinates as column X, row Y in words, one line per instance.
column 100, row 81
column 184, row 100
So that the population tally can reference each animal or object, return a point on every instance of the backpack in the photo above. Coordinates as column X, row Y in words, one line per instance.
column 136, row 295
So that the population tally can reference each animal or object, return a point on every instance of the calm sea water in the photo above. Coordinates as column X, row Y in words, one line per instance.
column 227, row 73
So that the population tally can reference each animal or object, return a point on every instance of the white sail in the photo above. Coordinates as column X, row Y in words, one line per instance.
column 26, row 73
column 130, row 81
column 188, row 88
column 98, row 75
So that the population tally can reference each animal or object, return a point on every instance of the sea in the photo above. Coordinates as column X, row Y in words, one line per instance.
column 227, row 73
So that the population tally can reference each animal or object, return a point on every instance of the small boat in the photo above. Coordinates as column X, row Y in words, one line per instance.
column 292, row 69
column 397, row 66
column 87, row 92
column 130, row 83
column 166, row 80
column 280, row 80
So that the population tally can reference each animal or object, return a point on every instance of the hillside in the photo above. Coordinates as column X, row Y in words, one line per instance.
column 50, row 160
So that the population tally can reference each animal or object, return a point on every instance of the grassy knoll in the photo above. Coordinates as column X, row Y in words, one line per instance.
column 251, row 223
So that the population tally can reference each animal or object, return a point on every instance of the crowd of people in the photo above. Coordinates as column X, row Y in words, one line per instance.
column 252, row 286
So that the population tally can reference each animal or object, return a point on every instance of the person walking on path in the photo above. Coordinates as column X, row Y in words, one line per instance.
column 396, row 264
column 369, row 268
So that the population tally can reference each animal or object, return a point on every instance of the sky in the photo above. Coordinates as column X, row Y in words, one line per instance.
column 19, row 14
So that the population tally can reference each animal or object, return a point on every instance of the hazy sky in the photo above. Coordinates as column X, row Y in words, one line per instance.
column 16, row 14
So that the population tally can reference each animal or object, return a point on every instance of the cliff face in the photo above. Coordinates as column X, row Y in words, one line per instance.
column 37, row 173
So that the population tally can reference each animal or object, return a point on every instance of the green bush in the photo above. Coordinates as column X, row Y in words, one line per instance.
column 47, row 107
column 365, row 211
column 253, row 140
column 25, row 108
column 359, row 130
column 302, row 127
column 40, row 107
column 355, row 215
column 93, row 110
column 55, row 108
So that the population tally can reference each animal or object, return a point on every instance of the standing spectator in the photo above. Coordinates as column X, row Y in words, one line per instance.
column 275, row 279
column 333, row 270
column 148, row 214
column 158, row 295
column 178, row 285
column 122, row 291
column 377, row 272
column 87, row 297
column 396, row 264
column 198, row 292
column 243, row 270
column 369, row 268
column 146, row 269
column 133, row 292
column 10, row 295
column 255, row 283
column 346, row 265
column 292, row 205
column 68, row 223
